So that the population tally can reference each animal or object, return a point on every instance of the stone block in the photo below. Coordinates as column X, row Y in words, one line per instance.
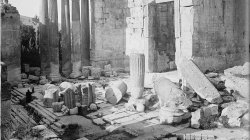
column 33, row 78
column 96, row 73
column 195, row 120
column 50, row 96
column 191, row 73
column 210, row 110
column 235, row 110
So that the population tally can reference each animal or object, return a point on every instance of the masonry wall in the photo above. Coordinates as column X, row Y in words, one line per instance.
column 150, row 31
column 213, row 32
column 10, row 42
column 108, row 30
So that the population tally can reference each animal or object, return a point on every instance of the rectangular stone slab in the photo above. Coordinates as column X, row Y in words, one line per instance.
column 198, row 81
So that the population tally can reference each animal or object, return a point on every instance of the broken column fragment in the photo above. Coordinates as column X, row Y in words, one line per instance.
column 50, row 96
column 54, row 41
column 66, row 38
column 43, row 37
column 115, row 91
column 69, row 98
column 85, row 36
column 76, row 40
column 137, row 73
column 198, row 81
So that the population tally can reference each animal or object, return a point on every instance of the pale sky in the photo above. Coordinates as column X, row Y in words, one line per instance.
column 30, row 8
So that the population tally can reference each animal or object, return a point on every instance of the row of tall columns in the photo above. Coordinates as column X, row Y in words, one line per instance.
column 75, row 52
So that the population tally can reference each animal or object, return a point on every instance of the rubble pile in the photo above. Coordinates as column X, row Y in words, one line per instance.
column 68, row 97
column 228, row 113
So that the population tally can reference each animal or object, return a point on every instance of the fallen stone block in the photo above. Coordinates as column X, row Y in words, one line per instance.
column 231, row 115
column 234, row 122
column 239, row 84
column 33, row 78
column 50, row 96
column 140, row 107
column 210, row 110
column 170, row 95
column 198, row 81
column 96, row 73
column 195, row 120
column 235, row 110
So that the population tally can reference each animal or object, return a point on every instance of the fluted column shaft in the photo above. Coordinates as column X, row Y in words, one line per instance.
column 53, row 41
column 43, row 37
column 66, row 39
column 137, row 73
column 85, row 32
column 76, row 40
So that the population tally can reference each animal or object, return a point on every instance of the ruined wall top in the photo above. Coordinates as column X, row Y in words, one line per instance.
column 7, row 8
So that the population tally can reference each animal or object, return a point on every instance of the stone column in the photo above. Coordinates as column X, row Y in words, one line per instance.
column 137, row 73
column 76, row 40
column 85, row 32
column 11, row 42
column 53, row 41
column 43, row 37
column 66, row 40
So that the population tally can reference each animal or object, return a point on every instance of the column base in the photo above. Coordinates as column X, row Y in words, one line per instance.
column 54, row 75
column 136, row 92
column 76, row 70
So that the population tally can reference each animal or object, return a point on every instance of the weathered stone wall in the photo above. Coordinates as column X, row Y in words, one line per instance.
column 164, row 36
column 10, row 42
column 108, row 26
column 213, row 32
column 150, row 31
